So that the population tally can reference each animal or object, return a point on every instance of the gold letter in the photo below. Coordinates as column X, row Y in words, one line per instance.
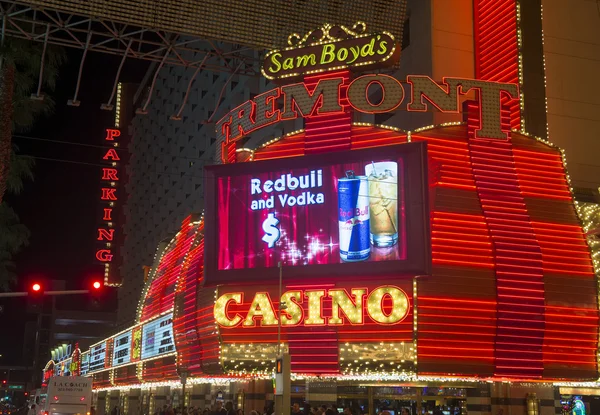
column 274, row 60
column 304, row 60
column 399, row 305
column 382, row 48
column 261, row 307
column 292, row 300
column 353, row 310
column 265, row 111
column 328, row 50
column 393, row 93
column 489, row 103
column 368, row 49
column 342, row 54
column 423, row 87
column 220, row 309
column 315, row 307
column 355, row 53
column 288, row 63
column 235, row 124
column 308, row 103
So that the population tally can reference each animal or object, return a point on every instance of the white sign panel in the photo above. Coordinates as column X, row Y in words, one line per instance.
column 158, row 337
column 122, row 348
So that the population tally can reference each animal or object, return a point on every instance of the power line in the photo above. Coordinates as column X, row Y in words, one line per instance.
column 94, row 146
column 63, row 161
column 69, row 142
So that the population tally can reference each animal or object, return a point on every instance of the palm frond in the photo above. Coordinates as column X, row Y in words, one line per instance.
column 13, row 234
column 21, row 168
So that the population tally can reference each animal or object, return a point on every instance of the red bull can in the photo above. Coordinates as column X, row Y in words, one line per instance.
column 353, row 217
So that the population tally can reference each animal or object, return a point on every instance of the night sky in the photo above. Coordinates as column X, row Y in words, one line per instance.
column 61, row 206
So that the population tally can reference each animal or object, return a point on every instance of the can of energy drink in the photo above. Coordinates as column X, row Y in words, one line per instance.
column 353, row 217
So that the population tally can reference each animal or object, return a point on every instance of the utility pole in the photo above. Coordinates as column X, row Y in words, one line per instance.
column 283, row 382
column 281, row 305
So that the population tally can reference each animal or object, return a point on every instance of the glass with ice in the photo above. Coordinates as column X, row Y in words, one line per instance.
column 383, row 202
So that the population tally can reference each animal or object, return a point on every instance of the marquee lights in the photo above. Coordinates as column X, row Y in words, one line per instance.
column 352, row 309
column 109, row 195
column 346, row 308
column 330, row 52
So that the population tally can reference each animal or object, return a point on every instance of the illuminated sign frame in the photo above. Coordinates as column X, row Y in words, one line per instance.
column 300, row 100
column 157, row 334
column 122, row 349
column 97, row 359
column 418, row 258
column 330, row 48
column 109, row 196
column 306, row 308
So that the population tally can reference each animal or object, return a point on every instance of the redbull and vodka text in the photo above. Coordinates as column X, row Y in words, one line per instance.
column 287, row 182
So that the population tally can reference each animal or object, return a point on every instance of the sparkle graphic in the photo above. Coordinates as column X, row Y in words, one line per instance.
column 313, row 249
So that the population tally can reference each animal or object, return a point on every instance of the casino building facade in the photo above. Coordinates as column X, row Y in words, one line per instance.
column 484, row 302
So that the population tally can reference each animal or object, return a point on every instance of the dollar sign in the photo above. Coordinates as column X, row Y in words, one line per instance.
column 272, row 233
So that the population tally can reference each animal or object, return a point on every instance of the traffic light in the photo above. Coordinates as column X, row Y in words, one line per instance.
column 97, row 291
column 36, row 288
column 35, row 300
column 4, row 383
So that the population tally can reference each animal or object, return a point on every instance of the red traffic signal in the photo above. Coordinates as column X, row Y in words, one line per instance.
column 97, row 285
column 36, row 289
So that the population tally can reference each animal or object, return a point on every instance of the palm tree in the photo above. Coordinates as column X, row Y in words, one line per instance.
column 13, row 234
column 20, row 63
column 19, row 72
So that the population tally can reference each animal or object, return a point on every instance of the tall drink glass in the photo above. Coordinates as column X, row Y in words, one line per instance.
column 383, row 202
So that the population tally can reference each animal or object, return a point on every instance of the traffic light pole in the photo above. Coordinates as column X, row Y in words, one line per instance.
column 26, row 293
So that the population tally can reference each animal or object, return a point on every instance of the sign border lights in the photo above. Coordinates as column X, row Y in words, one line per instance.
column 109, row 197
column 328, row 48
column 300, row 100
column 306, row 308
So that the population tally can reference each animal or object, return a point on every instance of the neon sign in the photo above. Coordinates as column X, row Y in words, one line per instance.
column 299, row 100
column 383, row 305
column 108, row 195
column 329, row 48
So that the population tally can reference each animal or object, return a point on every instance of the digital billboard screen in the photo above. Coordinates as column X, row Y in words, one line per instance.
column 340, row 213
